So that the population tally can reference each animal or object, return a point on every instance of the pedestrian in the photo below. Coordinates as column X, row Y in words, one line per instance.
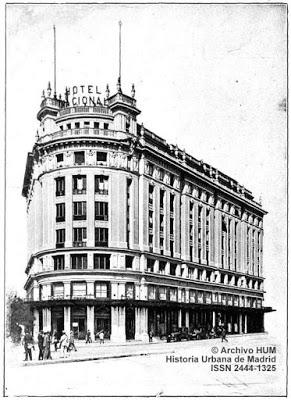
column 88, row 337
column 150, row 336
column 28, row 345
column 40, row 340
column 55, row 340
column 223, row 334
column 101, row 337
column 64, row 343
column 47, row 346
column 72, row 342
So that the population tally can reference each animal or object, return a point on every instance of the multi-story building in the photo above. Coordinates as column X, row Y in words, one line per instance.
column 128, row 233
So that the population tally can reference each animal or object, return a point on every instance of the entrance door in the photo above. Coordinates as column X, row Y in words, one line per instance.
column 129, row 323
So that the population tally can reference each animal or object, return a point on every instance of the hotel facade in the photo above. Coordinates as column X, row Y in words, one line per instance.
column 127, row 233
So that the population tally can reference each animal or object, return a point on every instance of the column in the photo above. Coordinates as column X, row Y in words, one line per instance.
column 156, row 220
column 90, row 197
column 117, row 324
column 35, row 324
column 185, row 227
column 187, row 319
column 143, row 211
column 240, row 323
column 246, row 323
column 177, row 225
column 90, row 320
column 69, row 210
column 213, row 319
column 195, row 227
column 211, row 238
column 180, row 318
column 203, row 231
column 67, row 290
column 47, row 322
column 141, row 324
column 67, row 319
column 217, row 236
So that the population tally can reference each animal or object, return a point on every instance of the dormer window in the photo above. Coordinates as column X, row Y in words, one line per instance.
column 60, row 157
column 101, row 157
column 79, row 157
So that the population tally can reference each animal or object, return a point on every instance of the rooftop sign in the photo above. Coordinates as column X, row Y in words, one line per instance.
column 83, row 95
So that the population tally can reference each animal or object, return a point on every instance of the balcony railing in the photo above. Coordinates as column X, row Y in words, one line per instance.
column 101, row 244
column 79, row 244
column 101, row 191
column 80, row 217
column 85, row 109
column 79, row 191
column 91, row 132
column 59, row 245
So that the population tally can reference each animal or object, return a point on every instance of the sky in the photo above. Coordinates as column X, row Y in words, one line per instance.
column 209, row 78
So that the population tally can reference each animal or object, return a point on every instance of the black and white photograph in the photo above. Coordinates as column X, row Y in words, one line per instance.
column 145, row 200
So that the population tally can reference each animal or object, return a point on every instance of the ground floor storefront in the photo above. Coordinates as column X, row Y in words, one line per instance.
column 134, row 320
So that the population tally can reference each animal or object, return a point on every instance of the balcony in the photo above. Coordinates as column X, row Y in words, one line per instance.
column 101, row 244
column 79, row 217
column 79, row 244
column 79, row 191
column 60, row 193
column 88, row 132
column 85, row 109
column 60, row 245
column 60, row 219
column 101, row 191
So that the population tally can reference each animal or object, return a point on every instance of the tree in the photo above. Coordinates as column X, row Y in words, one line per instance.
column 18, row 314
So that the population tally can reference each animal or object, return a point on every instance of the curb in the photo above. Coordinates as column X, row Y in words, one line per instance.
column 93, row 358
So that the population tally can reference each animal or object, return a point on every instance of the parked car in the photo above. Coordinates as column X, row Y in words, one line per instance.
column 174, row 337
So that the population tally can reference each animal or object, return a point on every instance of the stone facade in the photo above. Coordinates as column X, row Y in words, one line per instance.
column 128, row 233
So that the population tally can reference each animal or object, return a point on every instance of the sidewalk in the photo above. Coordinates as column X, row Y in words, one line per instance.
column 108, row 350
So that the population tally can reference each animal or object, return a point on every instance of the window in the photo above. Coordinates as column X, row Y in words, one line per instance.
column 59, row 262
column 86, row 123
column 151, row 292
column 150, row 169
column 101, row 261
column 79, row 237
column 79, row 157
column 172, row 179
column 129, row 290
column 150, row 265
column 60, row 157
column 60, row 238
column 128, row 262
column 173, row 294
column 162, row 267
column 163, row 293
column 106, row 126
column 101, row 184
column 192, row 296
column 172, row 199
column 79, row 261
column 101, row 237
column 58, row 290
column 183, row 295
column 101, row 157
column 79, row 210
column 60, row 186
column 162, row 199
column 101, row 210
column 101, row 290
column 96, row 125
column 69, row 126
column 60, row 212
column 79, row 184
column 61, row 127
column 173, row 269
column 77, row 125
column 151, row 194
column 79, row 289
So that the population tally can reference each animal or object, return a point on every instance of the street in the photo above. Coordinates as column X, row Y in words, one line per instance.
column 162, row 374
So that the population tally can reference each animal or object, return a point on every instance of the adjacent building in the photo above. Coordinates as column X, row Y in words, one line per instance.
column 127, row 233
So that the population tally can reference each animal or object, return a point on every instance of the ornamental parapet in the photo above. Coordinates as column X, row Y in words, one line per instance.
column 88, row 132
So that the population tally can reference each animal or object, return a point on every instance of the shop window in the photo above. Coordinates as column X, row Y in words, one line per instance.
column 101, row 290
